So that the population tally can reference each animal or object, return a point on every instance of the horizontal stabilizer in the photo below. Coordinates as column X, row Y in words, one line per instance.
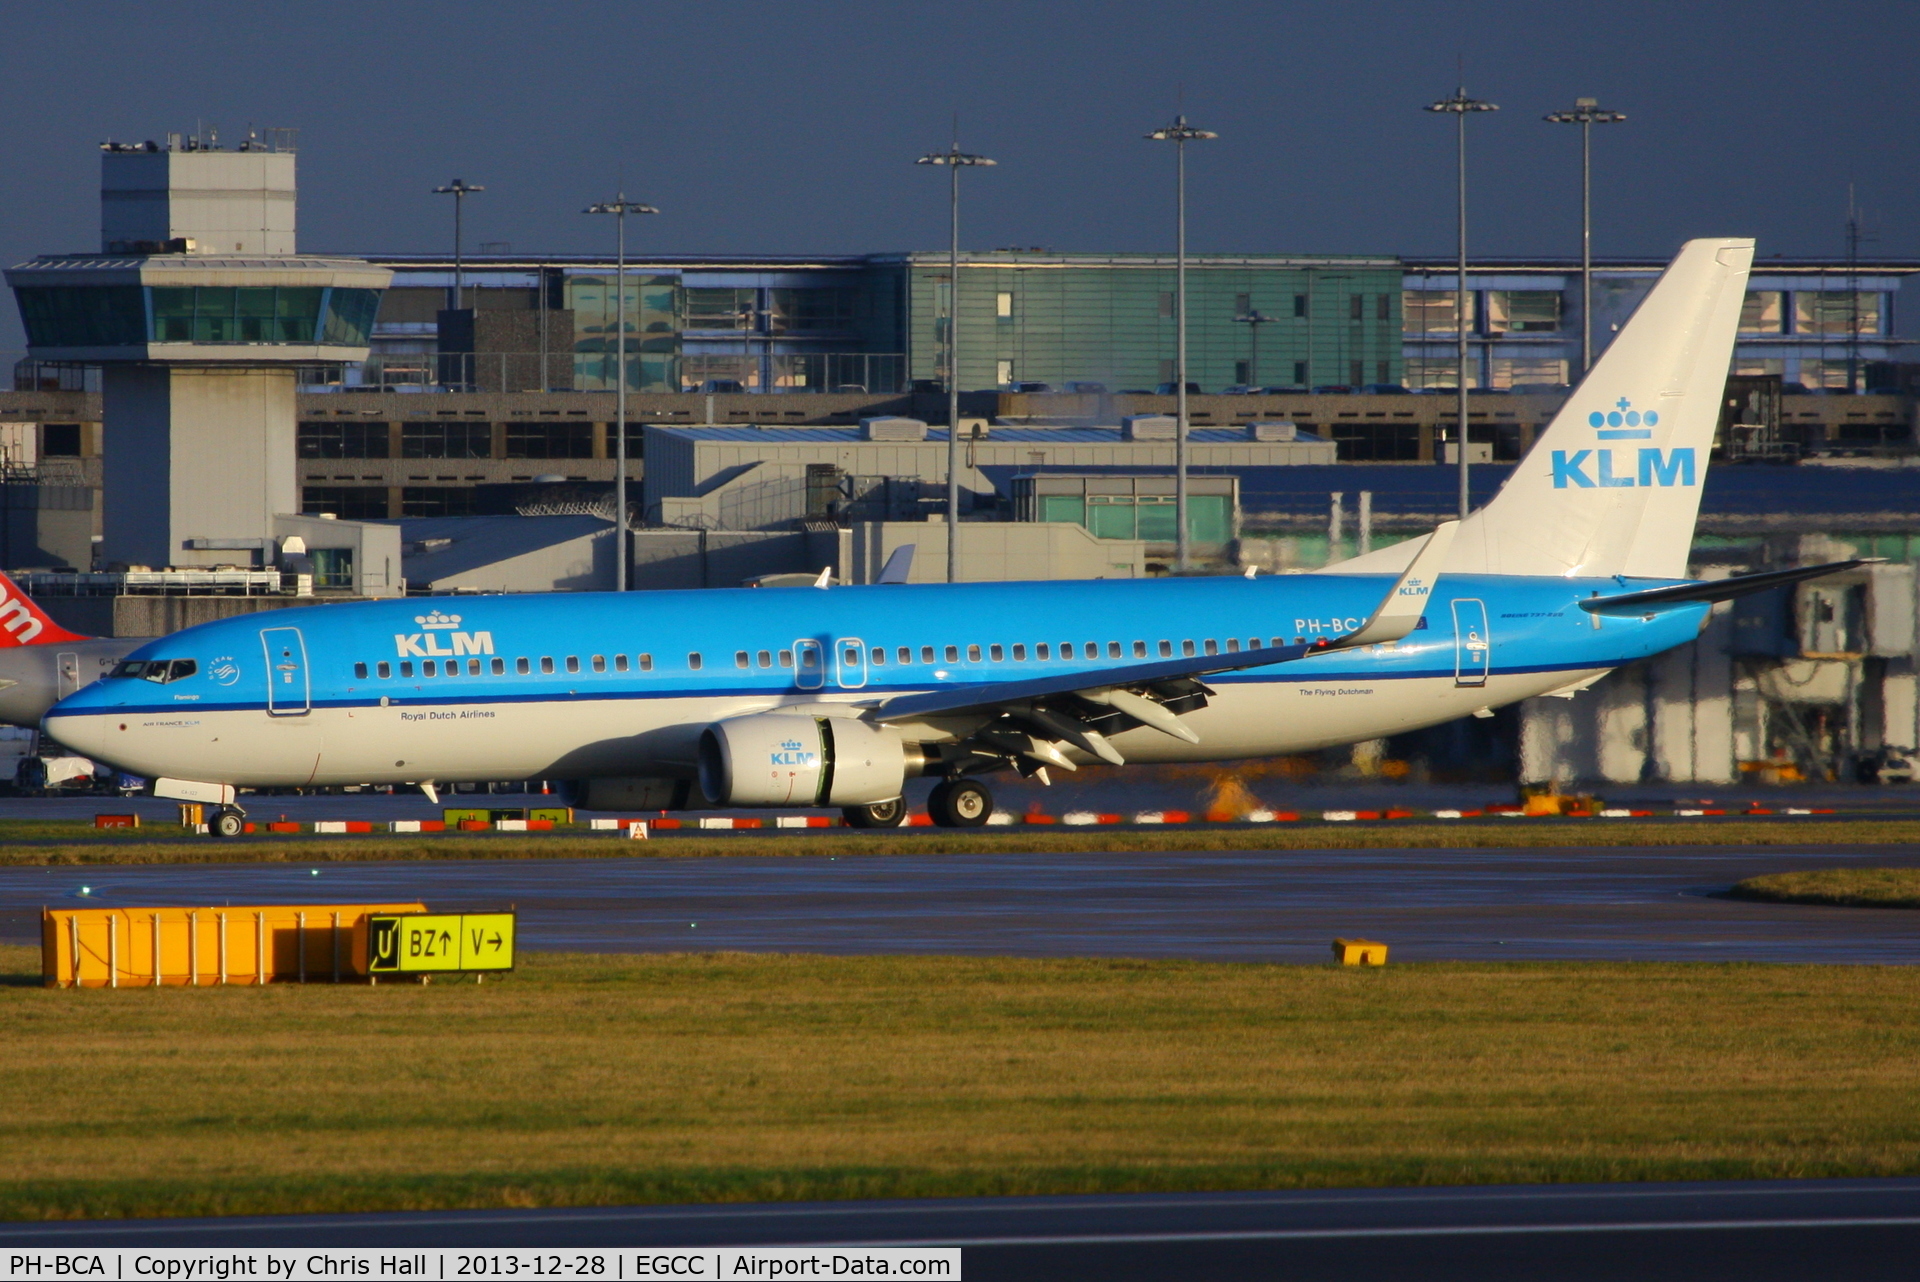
column 1655, row 599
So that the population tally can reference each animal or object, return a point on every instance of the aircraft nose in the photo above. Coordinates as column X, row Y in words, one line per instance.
column 84, row 732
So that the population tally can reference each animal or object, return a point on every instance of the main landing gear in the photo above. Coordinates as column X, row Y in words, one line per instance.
column 227, row 821
column 960, row 803
column 882, row 814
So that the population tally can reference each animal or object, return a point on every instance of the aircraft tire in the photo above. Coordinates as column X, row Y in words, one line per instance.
column 884, row 814
column 227, row 823
column 960, row 803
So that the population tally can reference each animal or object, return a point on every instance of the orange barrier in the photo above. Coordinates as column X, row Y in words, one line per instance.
column 192, row 947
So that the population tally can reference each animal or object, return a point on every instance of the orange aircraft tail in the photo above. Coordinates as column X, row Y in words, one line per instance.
column 24, row 623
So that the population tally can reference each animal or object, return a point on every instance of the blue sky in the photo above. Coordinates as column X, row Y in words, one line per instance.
column 791, row 127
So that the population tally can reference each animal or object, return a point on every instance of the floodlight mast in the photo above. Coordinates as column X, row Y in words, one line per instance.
column 955, row 160
column 1180, row 133
column 1586, row 113
column 1459, row 106
column 619, row 207
column 459, row 189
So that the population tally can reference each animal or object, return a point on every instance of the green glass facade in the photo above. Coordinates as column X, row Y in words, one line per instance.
column 135, row 315
column 1112, row 320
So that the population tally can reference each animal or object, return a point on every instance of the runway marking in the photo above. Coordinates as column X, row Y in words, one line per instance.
column 1261, row 1235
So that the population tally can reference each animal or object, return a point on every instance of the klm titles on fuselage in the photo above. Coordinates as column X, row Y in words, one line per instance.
column 426, row 643
column 1647, row 466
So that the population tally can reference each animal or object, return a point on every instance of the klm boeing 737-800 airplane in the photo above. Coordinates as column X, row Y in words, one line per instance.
column 837, row 696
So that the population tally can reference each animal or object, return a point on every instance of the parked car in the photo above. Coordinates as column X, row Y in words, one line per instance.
column 858, row 389
column 1084, row 388
column 1333, row 389
column 1384, row 389
column 1027, row 387
column 1240, row 389
column 1171, row 389
column 715, row 386
column 926, row 385
column 1284, row 389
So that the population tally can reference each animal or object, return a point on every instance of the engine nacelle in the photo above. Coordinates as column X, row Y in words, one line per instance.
column 785, row 759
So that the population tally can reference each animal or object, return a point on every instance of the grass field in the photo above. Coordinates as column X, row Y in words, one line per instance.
column 594, row 1080
column 1847, row 887
column 37, row 844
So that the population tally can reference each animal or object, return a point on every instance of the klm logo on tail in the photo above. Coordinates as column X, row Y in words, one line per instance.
column 1647, row 466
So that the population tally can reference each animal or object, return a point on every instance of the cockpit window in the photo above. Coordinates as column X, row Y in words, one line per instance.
column 158, row 670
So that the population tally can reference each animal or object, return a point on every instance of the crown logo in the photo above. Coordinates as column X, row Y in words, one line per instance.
column 1623, row 415
column 437, row 622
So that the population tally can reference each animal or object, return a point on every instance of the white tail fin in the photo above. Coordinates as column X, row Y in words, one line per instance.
column 1613, row 485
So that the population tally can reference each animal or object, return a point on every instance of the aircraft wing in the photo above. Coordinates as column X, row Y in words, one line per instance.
column 1058, row 706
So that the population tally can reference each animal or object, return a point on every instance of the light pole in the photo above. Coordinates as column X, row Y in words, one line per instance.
column 1460, row 105
column 1586, row 113
column 620, row 207
column 1253, row 320
column 955, row 160
column 459, row 189
column 1180, row 133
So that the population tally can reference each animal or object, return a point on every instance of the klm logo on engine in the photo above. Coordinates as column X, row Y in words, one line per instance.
column 793, row 753
column 1606, row 468
column 427, row 643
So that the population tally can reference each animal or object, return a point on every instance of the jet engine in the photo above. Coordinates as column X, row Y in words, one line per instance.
column 785, row 759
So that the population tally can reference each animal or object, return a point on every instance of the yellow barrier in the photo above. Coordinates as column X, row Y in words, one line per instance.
column 190, row 947
column 1360, row 952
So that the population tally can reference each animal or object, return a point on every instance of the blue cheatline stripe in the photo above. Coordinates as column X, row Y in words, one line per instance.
column 455, row 698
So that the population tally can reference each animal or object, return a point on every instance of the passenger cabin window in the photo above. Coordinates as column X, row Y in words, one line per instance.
column 953, row 654
column 522, row 666
column 385, row 670
column 693, row 660
column 1066, row 649
column 546, row 663
column 1166, row 649
column 499, row 667
column 573, row 663
column 926, row 654
column 599, row 663
column 786, row 658
column 740, row 659
column 473, row 667
column 1233, row 645
column 997, row 653
column 1113, row 649
column 973, row 654
column 428, row 668
column 1139, row 649
column 764, row 659
column 1186, row 648
column 646, row 663
column 406, row 668
column 880, row 654
column 1019, row 654
column 619, row 663
column 809, row 659
column 906, row 654
column 360, row 671
column 1040, row 651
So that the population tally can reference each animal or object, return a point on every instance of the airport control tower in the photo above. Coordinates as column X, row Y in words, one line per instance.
column 201, row 313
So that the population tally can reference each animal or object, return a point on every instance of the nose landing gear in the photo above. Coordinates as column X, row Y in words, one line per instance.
column 882, row 814
column 960, row 803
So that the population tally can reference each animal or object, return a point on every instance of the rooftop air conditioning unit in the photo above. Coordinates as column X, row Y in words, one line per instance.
column 1273, row 432
column 892, row 428
column 1149, row 427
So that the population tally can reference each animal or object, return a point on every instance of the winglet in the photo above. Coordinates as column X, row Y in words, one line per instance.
column 898, row 565
column 826, row 577
column 24, row 623
column 1400, row 612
